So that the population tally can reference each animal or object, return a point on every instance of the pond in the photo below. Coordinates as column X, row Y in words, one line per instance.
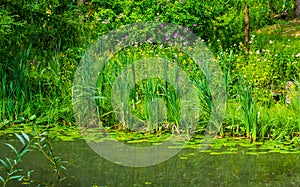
column 233, row 165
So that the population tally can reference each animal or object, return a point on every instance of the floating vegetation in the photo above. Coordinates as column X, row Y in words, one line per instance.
column 215, row 153
column 183, row 158
column 229, row 152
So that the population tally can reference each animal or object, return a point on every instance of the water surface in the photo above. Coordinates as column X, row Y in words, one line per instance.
column 240, row 166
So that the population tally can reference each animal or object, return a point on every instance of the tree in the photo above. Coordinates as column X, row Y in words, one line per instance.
column 246, row 25
column 296, row 13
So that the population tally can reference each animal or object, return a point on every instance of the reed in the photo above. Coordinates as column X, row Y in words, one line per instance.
column 248, row 98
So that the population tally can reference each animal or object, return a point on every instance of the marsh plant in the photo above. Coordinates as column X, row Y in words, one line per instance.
column 292, row 95
column 248, row 99
column 39, row 142
column 156, row 102
column 38, row 62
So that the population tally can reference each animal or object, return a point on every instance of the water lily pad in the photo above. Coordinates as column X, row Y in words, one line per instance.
column 190, row 154
column 206, row 151
column 232, row 149
column 228, row 152
column 136, row 141
column 274, row 151
column 295, row 152
column 262, row 153
column 217, row 147
column 285, row 151
column 246, row 145
column 230, row 144
column 66, row 138
column 215, row 153
column 252, row 153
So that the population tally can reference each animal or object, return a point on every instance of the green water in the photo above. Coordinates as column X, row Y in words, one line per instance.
column 223, row 166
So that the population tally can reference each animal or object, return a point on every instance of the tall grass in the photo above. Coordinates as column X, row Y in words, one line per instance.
column 13, row 89
column 248, row 98
column 35, row 88
column 154, row 101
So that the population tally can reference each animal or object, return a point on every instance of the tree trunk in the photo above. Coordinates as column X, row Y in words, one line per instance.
column 296, row 13
column 81, row 1
column 246, row 25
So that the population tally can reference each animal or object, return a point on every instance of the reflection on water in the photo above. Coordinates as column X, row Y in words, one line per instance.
column 188, row 168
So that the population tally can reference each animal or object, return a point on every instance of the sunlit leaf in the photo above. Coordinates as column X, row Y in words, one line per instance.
column 18, row 177
column 4, row 164
column 12, row 148
column 1, row 178
column 9, row 161
column 42, row 139
column 21, row 154
column 21, row 139
column 25, row 136
column 32, row 117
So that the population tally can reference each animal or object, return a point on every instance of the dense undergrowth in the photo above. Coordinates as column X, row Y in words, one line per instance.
column 43, row 44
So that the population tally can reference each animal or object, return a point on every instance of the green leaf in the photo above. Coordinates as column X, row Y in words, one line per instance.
column 21, row 154
column 12, row 148
column 1, row 178
column 42, row 139
column 5, row 165
column 14, row 171
column 64, row 168
column 16, row 177
column 9, row 161
column 32, row 117
column 43, row 134
column 25, row 136
column 21, row 178
column 21, row 139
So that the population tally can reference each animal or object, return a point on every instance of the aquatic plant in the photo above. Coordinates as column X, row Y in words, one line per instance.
column 44, row 146
column 249, row 98
column 40, row 142
column 11, row 164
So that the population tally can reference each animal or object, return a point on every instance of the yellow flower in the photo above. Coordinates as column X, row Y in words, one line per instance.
column 49, row 12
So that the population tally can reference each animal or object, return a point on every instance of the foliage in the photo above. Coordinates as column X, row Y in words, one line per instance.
column 39, row 141
column 11, row 165
column 44, row 41
column 146, row 92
